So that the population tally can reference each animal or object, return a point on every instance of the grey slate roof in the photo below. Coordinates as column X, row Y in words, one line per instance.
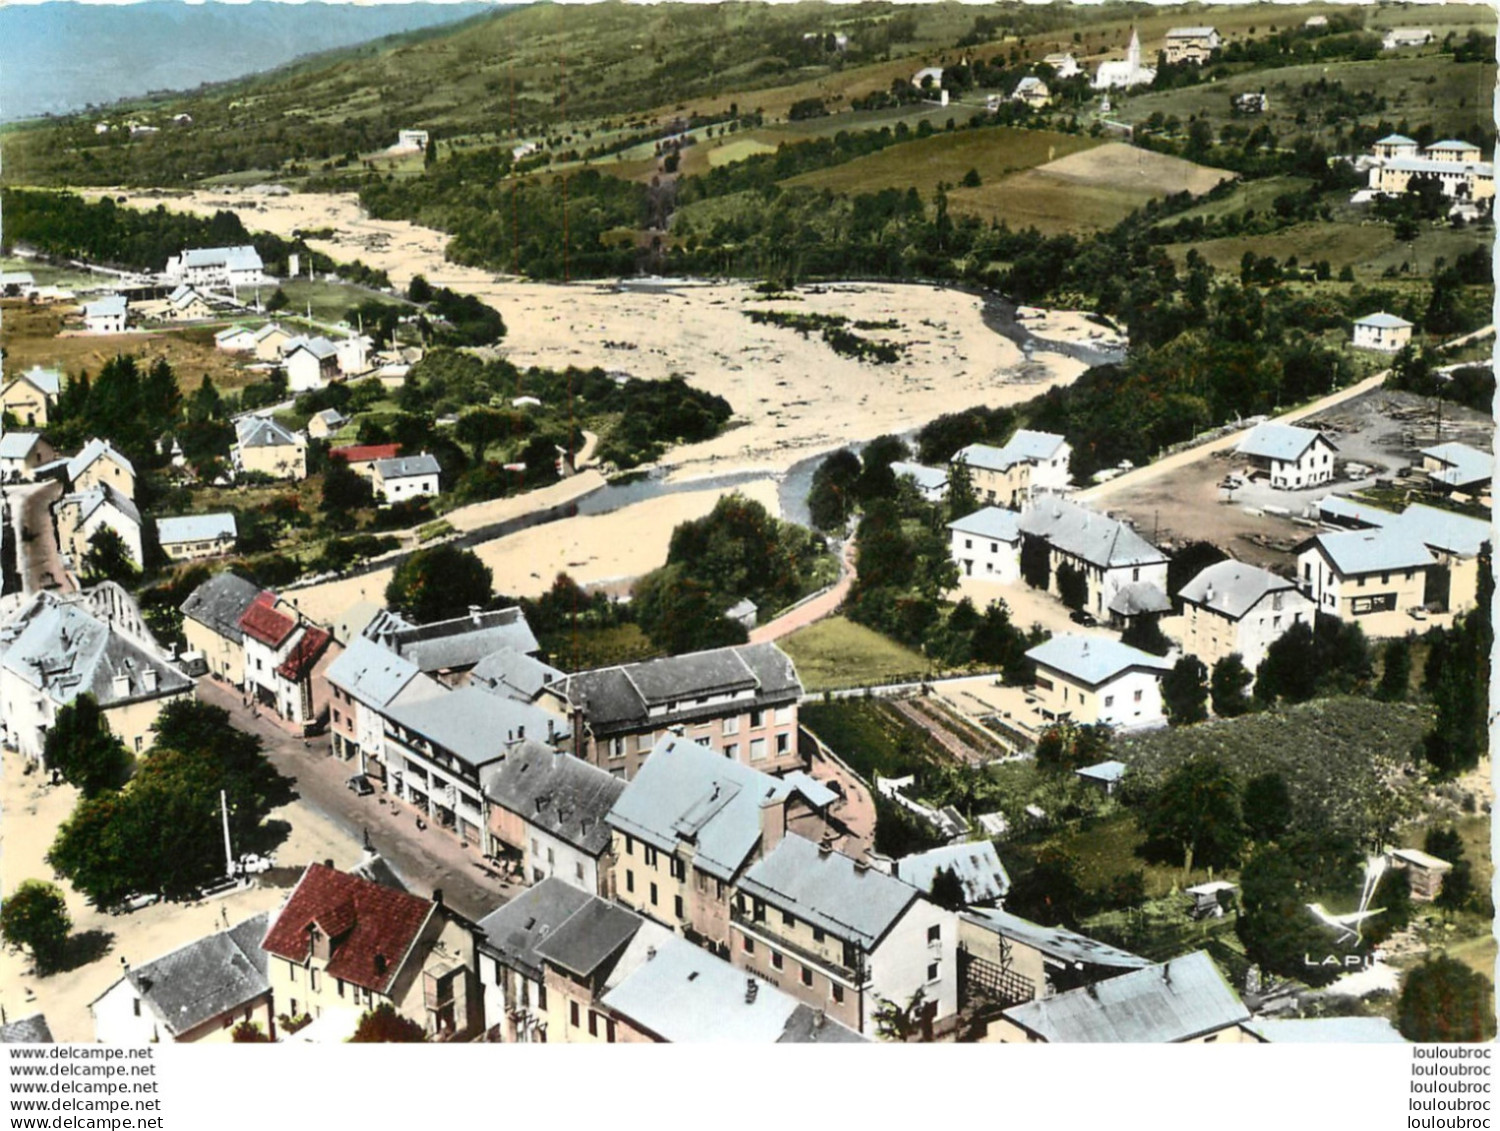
column 588, row 938
column 927, row 478
column 219, row 603
column 106, row 307
column 48, row 381
column 1055, row 942
column 97, row 496
column 1139, row 597
column 63, row 651
column 1025, row 446
column 1279, row 441
column 620, row 699
column 370, row 673
column 240, row 258
column 990, row 522
column 1175, row 1001
column 976, row 864
column 558, row 793
column 331, row 417
column 321, row 348
column 405, row 467
column 825, row 889
column 18, row 445
column 1371, row 551
column 1466, row 466
column 1381, row 318
column 1444, row 530
column 206, row 978
column 1236, row 587
column 262, row 432
column 1109, row 772
column 809, row 1026
column 1396, row 139
column 1081, row 533
column 1093, row 659
column 457, row 643
column 31, row 1030
column 94, row 450
column 685, row 791
column 196, row 528
column 514, row 674
column 1342, row 510
column 514, row 930
column 474, row 725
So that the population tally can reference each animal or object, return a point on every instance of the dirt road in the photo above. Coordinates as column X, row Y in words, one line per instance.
column 823, row 605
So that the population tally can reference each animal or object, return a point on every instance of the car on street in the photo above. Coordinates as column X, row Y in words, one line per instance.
column 360, row 784
column 1079, row 616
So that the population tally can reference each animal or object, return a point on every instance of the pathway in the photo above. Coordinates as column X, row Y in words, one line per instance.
column 815, row 609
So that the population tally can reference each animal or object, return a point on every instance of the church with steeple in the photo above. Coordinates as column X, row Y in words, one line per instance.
column 1125, row 72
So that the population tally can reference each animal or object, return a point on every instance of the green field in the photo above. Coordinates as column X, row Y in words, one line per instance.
column 837, row 653
column 872, row 737
column 1368, row 248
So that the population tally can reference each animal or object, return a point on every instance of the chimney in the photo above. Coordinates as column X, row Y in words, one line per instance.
column 861, row 865
column 474, row 613
column 650, row 953
column 1208, row 594
column 437, row 896
column 772, row 825
column 328, row 864
column 149, row 679
column 520, row 732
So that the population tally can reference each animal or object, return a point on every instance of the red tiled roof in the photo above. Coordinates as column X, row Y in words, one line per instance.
column 263, row 621
column 360, row 453
column 364, row 920
column 300, row 660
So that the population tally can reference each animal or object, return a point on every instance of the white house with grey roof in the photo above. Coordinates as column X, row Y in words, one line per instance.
column 78, row 517
column 448, row 648
column 1236, row 607
column 364, row 682
column 21, row 453
column 1460, row 470
column 548, row 809
column 741, row 700
column 1028, row 463
column 987, row 545
column 1292, row 457
column 196, row 993
column 106, row 315
column 975, row 864
column 265, row 447
column 217, row 267
column 1387, row 333
column 192, row 536
column 407, row 477
column 845, row 937
column 931, row 482
column 100, row 463
column 1372, row 577
column 1090, row 679
column 1107, row 552
column 29, row 396
column 1185, row 1000
column 310, row 363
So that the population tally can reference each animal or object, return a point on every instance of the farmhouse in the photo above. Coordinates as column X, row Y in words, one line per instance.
column 211, row 624
column 217, row 267
column 1459, row 470
column 29, row 396
column 1033, row 92
column 1293, row 457
column 196, row 536
column 264, row 447
column 1235, row 607
column 1106, row 552
column 310, row 363
column 987, row 545
column 406, row 477
column 1191, row 44
column 106, row 316
column 21, row 453
column 1086, row 680
column 741, row 700
column 1382, row 331
column 1399, row 37
column 185, row 304
column 1127, row 72
column 1373, row 577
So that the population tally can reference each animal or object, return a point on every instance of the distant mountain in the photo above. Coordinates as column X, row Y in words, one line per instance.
column 62, row 56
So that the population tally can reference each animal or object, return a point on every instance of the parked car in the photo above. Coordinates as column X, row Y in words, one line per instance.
column 1084, row 618
column 360, row 784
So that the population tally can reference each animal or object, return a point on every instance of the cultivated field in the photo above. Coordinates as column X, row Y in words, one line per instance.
column 838, row 653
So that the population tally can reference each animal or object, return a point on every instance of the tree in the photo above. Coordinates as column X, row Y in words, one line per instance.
column 483, row 427
column 1443, row 1000
column 963, row 500
column 277, row 301
column 1457, row 678
column 1267, row 807
column 108, row 559
column 1228, row 686
column 81, row 748
column 419, row 289
column 439, row 583
column 1276, row 885
column 1144, row 632
column 345, row 491
column 1458, row 887
column 1184, row 692
column 947, row 890
column 35, row 917
column 681, row 613
column 1195, row 816
column 1072, row 586
column 383, row 1025
column 830, row 500
column 1395, row 674
column 429, row 157
column 249, row 1033
column 900, row 1022
column 1036, row 561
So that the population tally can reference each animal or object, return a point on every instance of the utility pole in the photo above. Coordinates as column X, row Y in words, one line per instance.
column 228, row 851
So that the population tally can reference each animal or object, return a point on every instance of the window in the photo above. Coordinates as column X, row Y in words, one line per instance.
column 651, row 856
column 678, row 868
column 935, row 933
column 593, row 1024
column 617, row 748
column 784, row 715
column 1109, row 700
column 777, row 962
column 136, row 1003
column 541, row 996
column 968, row 543
column 609, row 1031
column 629, row 880
column 747, row 944
column 578, row 870
column 994, row 547
column 788, row 919
column 1135, row 574
column 838, row 994
column 677, row 907
column 1380, row 603
column 783, row 743
column 573, row 1014
column 807, row 975
column 629, row 845
column 1138, row 695
column 340, row 981
column 653, row 895
column 732, row 725
column 312, row 978
column 551, row 858
column 757, row 718
column 731, row 750
column 536, row 849
column 932, row 971
column 291, row 972
column 757, row 749
column 817, row 934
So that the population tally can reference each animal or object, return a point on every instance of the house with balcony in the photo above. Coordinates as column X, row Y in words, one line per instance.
column 196, row 993
column 286, row 662
column 1236, row 607
column 211, row 623
column 843, row 937
column 1374, row 578
column 344, row 945
column 1105, row 551
column 740, row 700
column 1183, row 1001
column 1292, row 458
column 987, row 545
column 1091, row 679
column 31, row 395
column 691, row 822
column 549, row 809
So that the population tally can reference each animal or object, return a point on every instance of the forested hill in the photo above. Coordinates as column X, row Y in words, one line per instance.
column 170, row 45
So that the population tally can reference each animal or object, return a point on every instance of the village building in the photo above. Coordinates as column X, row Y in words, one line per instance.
column 21, row 453
column 362, row 458
column 264, row 447
column 1032, row 92
column 1372, row 577
column 931, row 482
column 185, row 304
column 1008, row 476
column 324, row 424
column 514, row 675
column 742, row 700
column 270, row 340
column 29, row 1030
column 217, row 267
column 78, row 517
column 843, row 937
column 1105, row 551
column 211, row 625
column 412, row 139
column 353, row 354
column 1104, row 776
column 1424, row 872
column 1400, row 37
column 1005, row 960
column 691, row 822
column 1138, row 600
column 30, row 396
column 365, row 682
column 548, row 809
column 1127, row 72
column 235, row 339
column 1399, row 166
column 1458, row 470
column 17, row 284
column 987, row 545
column 193, row 536
column 1191, row 45
column 342, row 944
column 975, row 864
column 1292, row 457
column 1382, row 331
column 511, row 972
column 286, row 662
column 196, row 993
column 1454, row 541
column 1063, row 64
column 406, row 477
column 1088, row 679
column 451, row 649
column 310, row 363
column 101, row 464
column 1185, row 1000
column 106, row 316
column 1234, row 607
column 94, row 643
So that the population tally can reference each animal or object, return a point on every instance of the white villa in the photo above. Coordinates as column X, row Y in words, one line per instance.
column 1090, row 679
column 1382, row 331
column 1191, row 44
column 987, row 545
column 106, row 316
column 1293, row 457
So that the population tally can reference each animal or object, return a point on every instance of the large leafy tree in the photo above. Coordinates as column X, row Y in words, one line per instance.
column 963, row 499
column 1267, row 807
column 383, row 1025
column 108, row 559
column 35, row 917
column 682, row 614
column 1443, row 1000
column 1228, row 686
column 831, row 499
column 439, row 583
column 82, row 749
column 1072, row 586
column 1184, row 692
column 1195, row 816
column 1276, row 885
column 1457, row 678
